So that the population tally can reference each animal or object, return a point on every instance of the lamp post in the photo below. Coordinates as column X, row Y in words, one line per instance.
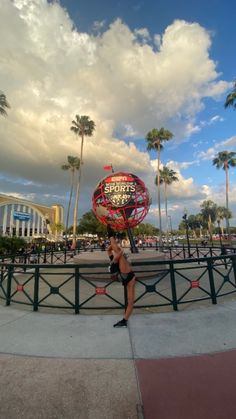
column 170, row 224
column 187, row 233
column 218, row 222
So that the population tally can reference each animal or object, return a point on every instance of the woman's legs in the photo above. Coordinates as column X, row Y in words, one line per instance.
column 130, row 296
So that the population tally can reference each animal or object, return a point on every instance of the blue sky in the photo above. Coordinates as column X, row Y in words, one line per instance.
column 132, row 66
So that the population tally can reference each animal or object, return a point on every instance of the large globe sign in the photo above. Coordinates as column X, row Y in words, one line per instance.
column 121, row 200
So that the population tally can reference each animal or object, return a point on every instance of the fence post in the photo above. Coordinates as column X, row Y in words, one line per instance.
column 173, row 286
column 36, row 288
column 211, row 281
column 77, row 278
column 25, row 262
column 9, row 278
column 197, row 249
column 65, row 255
column 2, row 273
column 233, row 260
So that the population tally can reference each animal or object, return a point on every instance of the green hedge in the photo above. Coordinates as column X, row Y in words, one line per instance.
column 11, row 245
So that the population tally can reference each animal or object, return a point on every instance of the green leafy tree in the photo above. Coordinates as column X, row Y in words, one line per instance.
column 231, row 97
column 11, row 245
column 89, row 224
column 73, row 165
column 167, row 177
column 3, row 104
column 194, row 222
column 224, row 160
column 146, row 229
column 154, row 139
column 83, row 127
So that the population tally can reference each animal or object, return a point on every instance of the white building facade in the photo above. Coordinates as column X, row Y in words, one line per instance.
column 27, row 219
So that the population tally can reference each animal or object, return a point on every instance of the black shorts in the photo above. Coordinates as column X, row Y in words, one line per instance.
column 126, row 278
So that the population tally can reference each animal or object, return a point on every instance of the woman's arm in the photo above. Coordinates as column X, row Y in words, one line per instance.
column 118, row 255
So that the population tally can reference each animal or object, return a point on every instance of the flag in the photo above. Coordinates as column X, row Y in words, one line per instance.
column 107, row 167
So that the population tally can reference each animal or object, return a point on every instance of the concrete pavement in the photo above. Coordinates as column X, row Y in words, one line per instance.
column 178, row 365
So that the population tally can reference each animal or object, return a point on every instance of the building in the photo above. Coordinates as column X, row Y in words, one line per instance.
column 27, row 219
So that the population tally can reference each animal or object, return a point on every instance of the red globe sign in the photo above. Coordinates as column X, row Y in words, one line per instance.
column 121, row 200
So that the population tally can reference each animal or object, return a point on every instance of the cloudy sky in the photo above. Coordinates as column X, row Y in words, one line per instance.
column 131, row 66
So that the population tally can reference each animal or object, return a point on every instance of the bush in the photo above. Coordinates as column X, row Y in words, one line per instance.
column 11, row 245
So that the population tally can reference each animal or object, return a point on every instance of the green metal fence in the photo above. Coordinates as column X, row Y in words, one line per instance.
column 76, row 287
column 66, row 256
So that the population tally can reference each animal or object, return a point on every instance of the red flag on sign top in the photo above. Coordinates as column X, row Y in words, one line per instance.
column 107, row 167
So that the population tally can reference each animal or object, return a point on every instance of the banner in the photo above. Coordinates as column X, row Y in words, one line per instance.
column 21, row 216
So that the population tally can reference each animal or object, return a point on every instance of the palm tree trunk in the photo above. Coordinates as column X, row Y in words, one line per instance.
column 167, row 226
column 77, row 194
column 209, row 227
column 221, row 228
column 69, row 203
column 158, row 190
column 227, row 196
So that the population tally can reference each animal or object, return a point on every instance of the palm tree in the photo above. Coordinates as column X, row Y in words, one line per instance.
column 225, row 160
column 3, row 104
column 72, row 165
column 167, row 177
column 222, row 214
column 154, row 140
column 209, row 215
column 195, row 223
column 83, row 127
column 56, row 228
column 231, row 97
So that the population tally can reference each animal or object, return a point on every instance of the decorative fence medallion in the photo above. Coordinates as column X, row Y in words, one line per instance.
column 100, row 290
column 195, row 284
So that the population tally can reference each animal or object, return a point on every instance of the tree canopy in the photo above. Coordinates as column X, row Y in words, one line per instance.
column 3, row 104
column 231, row 98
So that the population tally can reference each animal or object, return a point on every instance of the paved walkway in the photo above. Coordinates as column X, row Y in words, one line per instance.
column 179, row 365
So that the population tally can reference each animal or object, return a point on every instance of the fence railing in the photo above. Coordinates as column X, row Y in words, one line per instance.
column 88, row 286
column 66, row 256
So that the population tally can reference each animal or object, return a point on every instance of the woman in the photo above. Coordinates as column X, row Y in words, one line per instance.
column 121, row 266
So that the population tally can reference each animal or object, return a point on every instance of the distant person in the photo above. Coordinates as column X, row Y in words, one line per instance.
column 103, row 246
column 120, row 266
column 223, row 250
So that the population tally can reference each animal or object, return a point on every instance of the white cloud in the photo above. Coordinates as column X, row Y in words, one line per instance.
column 142, row 34
column 216, row 118
column 181, row 165
column 98, row 25
column 228, row 144
column 129, row 131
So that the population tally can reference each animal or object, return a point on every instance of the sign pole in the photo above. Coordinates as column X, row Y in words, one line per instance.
column 133, row 247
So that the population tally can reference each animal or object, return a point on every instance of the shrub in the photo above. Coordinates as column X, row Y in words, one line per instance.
column 11, row 245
